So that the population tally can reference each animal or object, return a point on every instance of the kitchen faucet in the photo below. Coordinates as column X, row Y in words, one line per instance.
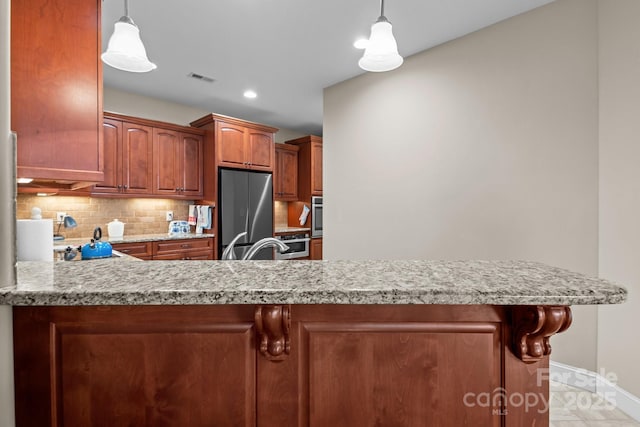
column 265, row 243
column 229, row 253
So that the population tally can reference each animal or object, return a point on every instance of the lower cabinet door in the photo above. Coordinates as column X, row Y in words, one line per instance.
column 135, row 366
column 398, row 365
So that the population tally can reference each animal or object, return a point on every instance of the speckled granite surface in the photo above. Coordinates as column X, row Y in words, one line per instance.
column 102, row 282
column 135, row 238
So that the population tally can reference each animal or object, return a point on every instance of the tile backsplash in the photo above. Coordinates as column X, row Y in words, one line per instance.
column 280, row 213
column 141, row 216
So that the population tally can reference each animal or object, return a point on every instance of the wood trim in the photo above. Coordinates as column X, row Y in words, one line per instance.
column 210, row 118
column 286, row 147
column 304, row 140
column 153, row 123
column 64, row 176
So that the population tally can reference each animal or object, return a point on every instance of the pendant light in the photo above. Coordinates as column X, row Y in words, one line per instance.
column 381, row 53
column 125, row 50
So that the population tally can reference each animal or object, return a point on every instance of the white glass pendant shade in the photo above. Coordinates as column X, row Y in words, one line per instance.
column 381, row 53
column 125, row 50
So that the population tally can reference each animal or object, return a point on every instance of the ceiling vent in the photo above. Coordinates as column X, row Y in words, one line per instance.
column 201, row 77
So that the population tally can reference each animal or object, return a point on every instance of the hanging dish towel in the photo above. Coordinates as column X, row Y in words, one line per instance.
column 204, row 216
column 193, row 215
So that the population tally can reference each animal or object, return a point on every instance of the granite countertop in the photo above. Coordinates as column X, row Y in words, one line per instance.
column 97, row 282
column 134, row 238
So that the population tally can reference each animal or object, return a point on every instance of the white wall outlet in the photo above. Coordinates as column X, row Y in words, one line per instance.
column 60, row 217
column 169, row 215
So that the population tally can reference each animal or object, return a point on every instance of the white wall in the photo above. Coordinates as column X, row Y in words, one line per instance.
column 136, row 105
column 7, row 227
column 485, row 147
column 618, row 337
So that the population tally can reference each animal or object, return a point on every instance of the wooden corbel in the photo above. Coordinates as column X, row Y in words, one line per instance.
column 532, row 327
column 273, row 323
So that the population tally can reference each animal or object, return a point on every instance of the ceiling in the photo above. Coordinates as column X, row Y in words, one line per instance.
column 287, row 51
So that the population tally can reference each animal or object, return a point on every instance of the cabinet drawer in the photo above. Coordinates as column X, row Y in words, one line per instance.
column 139, row 250
column 206, row 254
column 181, row 245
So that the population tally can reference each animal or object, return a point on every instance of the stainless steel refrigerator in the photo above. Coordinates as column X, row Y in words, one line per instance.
column 246, row 204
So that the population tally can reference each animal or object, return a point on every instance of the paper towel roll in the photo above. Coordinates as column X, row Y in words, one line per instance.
column 35, row 239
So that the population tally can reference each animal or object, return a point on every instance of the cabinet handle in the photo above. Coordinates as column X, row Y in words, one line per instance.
column 125, row 186
column 126, row 251
column 119, row 186
column 185, row 246
column 177, row 189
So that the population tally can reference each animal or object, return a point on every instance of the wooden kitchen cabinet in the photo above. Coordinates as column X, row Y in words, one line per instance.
column 183, row 249
column 235, row 143
column 147, row 158
column 177, row 164
column 309, row 166
column 127, row 162
column 174, row 249
column 242, row 147
column 56, row 91
column 315, row 249
column 140, row 250
column 273, row 365
column 285, row 173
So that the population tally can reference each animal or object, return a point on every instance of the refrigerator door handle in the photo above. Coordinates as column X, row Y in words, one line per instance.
column 246, row 227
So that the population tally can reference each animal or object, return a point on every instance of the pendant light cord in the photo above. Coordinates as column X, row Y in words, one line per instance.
column 126, row 7
column 381, row 7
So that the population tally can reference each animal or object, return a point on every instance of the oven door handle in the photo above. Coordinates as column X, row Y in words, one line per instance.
column 306, row 239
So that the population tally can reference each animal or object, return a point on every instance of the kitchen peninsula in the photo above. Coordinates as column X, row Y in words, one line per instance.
column 330, row 343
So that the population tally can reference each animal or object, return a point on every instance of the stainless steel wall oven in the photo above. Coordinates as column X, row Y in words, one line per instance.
column 316, row 217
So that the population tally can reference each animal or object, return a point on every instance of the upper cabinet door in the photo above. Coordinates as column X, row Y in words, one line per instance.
column 230, row 144
column 112, row 133
column 137, row 151
column 285, row 173
column 56, row 89
column 316, row 168
column 191, row 171
column 260, row 150
column 166, row 162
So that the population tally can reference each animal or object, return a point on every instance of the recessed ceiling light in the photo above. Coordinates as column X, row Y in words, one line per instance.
column 250, row 94
column 361, row 43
